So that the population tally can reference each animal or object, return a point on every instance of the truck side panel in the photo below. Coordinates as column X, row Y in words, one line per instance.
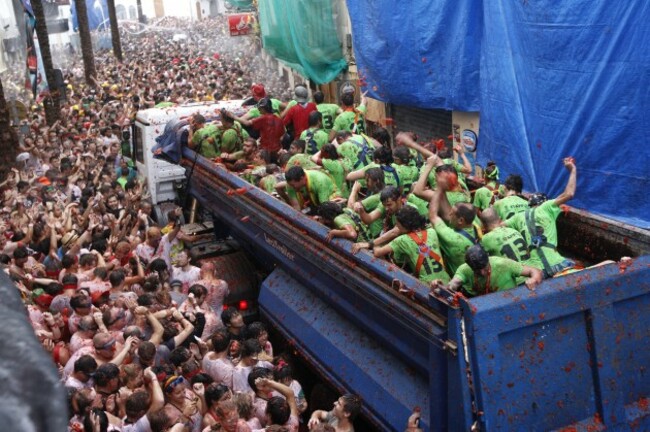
column 348, row 356
column 574, row 352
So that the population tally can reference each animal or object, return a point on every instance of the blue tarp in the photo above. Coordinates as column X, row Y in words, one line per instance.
column 556, row 79
column 422, row 53
column 97, row 14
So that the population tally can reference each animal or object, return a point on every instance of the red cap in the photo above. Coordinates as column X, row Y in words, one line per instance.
column 97, row 295
column 43, row 300
column 258, row 91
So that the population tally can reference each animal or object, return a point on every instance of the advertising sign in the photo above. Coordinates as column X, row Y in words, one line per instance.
column 241, row 24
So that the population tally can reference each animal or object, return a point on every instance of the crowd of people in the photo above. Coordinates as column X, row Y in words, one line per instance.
column 138, row 331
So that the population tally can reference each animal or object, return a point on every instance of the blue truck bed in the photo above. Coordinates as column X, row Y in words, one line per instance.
column 570, row 356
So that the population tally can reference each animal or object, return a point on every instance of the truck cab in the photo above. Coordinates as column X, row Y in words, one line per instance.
column 163, row 177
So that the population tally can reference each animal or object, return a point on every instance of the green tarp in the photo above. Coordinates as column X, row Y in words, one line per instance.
column 241, row 4
column 302, row 34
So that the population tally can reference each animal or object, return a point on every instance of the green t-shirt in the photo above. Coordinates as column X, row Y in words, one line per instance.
column 370, row 204
column 267, row 183
column 504, row 275
column 320, row 188
column 349, row 217
column 506, row 243
column 353, row 121
column 408, row 175
column 329, row 112
column 315, row 139
column 336, row 169
column 353, row 147
column 255, row 111
column 232, row 139
column 453, row 245
column 301, row 160
column 405, row 249
column 545, row 216
column 419, row 204
column 208, row 149
column 509, row 206
column 455, row 197
column 483, row 198
column 431, row 179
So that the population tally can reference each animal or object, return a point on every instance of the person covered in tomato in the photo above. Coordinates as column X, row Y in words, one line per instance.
column 182, row 405
column 483, row 274
column 270, row 128
column 537, row 226
column 307, row 189
column 418, row 247
column 298, row 114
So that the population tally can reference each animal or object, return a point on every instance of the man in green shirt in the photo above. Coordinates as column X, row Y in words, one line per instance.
column 459, row 233
column 351, row 119
column 511, row 204
column 502, row 241
column 344, row 222
column 328, row 110
column 307, row 189
column 391, row 202
column 445, row 156
column 357, row 150
column 314, row 136
column 537, row 226
column 483, row 274
column 446, row 178
column 329, row 159
column 375, row 184
column 299, row 157
column 203, row 138
column 486, row 195
column 231, row 134
column 419, row 248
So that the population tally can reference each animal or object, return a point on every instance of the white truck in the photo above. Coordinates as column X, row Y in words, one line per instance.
column 162, row 177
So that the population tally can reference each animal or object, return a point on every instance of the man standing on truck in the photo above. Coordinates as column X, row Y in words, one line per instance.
column 298, row 115
column 537, row 226
column 459, row 233
column 314, row 135
column 483, row 274
column 328, row 110
column 241, row 160
column 352, row 119
column 202, row 137
column 269, row 126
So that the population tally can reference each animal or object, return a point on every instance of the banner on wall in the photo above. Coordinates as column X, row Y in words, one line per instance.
column 241, row 24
